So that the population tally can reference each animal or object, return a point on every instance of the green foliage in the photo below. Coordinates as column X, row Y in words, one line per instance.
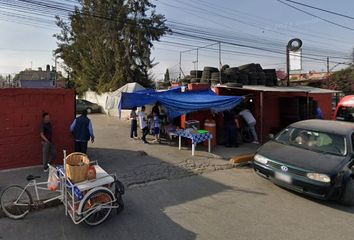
column 107, row 43
column 343, row 80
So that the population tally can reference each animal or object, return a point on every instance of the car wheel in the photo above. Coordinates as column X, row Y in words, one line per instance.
column 348, row 193
column 89, row 110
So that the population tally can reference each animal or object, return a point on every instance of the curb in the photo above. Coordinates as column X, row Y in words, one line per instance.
column 241, row 159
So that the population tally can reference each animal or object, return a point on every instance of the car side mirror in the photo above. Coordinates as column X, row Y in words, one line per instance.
column 271, row 136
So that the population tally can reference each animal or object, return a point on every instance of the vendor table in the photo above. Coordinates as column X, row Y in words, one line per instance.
column 195, row 137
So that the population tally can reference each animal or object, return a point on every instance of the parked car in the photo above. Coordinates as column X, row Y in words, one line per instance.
column 82, row 104
column 313, row 157
column 345, row 109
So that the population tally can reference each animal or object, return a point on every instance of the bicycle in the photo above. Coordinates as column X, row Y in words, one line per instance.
column 90, row 201
column 17, row 201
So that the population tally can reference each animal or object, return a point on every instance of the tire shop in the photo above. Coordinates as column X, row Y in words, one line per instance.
column 276, row 107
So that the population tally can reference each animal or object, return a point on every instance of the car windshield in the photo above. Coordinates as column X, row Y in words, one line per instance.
column 314, row 141
column 345, row 114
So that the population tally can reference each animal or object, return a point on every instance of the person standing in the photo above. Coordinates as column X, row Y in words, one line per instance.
column 48, row 148
column 134, row 123
column 156, row 125
column 82, row 130
column 143, row 124
column 230, row 129
column 251, row 122
column 156, row 109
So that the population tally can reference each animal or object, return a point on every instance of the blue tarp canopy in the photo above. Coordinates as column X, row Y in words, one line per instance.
column 178, row 103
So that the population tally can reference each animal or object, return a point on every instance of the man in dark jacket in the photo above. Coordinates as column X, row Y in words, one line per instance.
column 48, row 148
column 82, row 130
column 230, row 129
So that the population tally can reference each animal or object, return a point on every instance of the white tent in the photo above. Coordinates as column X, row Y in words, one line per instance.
column 113, row 98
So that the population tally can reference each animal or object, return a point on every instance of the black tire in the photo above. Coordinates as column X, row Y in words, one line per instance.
column 235, row 69
column 196, row 73
column 223, row 68
column 211, row 69
column 246, row 135
column 11, row 209
column 248, row 67
column 269, row 83
column 347, row 197
column 258, row 68
column 89, row 110
column 96, row 198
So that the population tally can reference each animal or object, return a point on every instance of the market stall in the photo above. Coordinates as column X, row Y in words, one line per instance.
column 277, row 107
column 178, row 103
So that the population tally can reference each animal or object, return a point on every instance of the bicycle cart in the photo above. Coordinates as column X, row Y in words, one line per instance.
column 89, row 201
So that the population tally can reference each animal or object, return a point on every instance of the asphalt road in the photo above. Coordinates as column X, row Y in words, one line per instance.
column 227, row 204
column 167, row 200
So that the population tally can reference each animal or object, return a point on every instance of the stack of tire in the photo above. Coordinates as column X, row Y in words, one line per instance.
column 207, row 72
column 232, row 77
column 215, row 78
column 271, row 77
column 195, row 76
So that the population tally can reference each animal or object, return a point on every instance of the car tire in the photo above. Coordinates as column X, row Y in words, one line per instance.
column 347, row 197
column 89, row 110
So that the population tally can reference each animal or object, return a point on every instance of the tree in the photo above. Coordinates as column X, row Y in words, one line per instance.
column 343, row 80
column 167, row 76
column 107, row 44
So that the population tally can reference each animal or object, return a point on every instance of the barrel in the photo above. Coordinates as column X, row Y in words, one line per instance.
column 210, row 126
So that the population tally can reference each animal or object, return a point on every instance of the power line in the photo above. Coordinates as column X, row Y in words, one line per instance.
column 313, row 15
column 321, row 9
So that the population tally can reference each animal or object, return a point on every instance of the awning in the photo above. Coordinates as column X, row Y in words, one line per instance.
column 178, row 103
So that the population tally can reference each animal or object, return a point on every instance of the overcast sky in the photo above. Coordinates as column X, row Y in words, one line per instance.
column 265, row 23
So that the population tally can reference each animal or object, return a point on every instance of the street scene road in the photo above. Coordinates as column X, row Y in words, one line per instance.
column 176, row 120
column 165, row 199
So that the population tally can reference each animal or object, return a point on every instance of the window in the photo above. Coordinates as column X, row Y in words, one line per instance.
column 314, row 141
column 345, row 114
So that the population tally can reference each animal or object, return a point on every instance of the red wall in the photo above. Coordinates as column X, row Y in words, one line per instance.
column 21, row 115
column 270, row 121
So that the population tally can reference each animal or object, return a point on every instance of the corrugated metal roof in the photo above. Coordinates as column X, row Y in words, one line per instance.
column 300, row 89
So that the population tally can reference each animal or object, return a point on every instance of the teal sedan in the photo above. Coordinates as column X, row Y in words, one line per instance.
column 82, row 104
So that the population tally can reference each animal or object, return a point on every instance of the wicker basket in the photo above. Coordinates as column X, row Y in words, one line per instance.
column 77, row 165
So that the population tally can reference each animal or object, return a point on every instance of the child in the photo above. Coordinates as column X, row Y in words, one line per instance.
column 156, row 126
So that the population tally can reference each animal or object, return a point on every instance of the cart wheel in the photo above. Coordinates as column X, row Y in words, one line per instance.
column 97, row 207
column 15, row 202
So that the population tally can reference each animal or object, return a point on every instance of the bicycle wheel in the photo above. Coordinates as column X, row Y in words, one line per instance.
column 97, row 207
column 15, row 202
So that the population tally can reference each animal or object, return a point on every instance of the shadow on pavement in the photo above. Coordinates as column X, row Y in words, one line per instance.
column 144, row 216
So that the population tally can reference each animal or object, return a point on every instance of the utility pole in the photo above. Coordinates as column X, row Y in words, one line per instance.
column 220, row 64
column 197, row 57
column 55, row 70
column 180, row 65
column 328, row 72
column 287, row 66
